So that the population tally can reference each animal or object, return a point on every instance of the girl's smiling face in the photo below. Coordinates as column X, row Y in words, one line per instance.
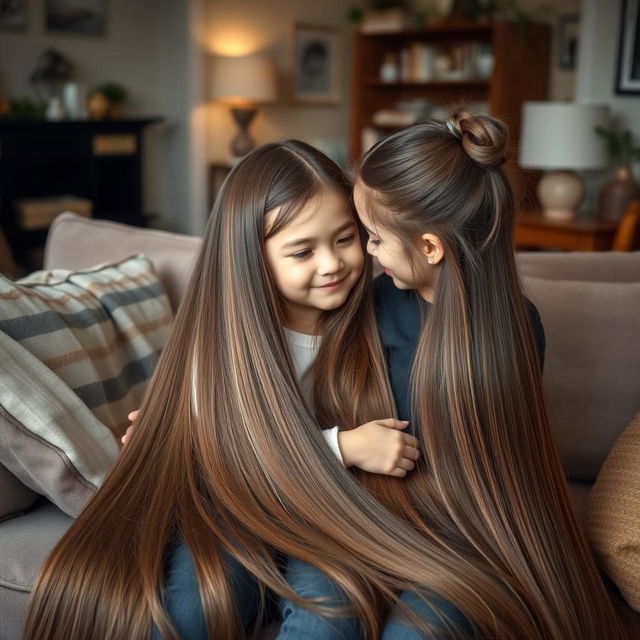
column 408, row 271
column 316, row 259
column 384, row 245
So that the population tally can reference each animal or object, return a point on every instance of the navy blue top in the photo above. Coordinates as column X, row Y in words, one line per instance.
column 400, row 314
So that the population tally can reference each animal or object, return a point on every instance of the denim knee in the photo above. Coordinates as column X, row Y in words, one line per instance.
column 298, row 622
column 181, row 595
column 399, row 628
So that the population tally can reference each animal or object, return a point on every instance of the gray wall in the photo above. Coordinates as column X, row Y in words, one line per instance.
column 598, row 62
column 597, row 66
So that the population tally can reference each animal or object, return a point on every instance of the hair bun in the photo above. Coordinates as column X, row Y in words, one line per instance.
column 483, row 138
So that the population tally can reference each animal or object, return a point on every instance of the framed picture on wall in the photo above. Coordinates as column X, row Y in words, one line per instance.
column 13, row 14
column 75, row 17
column 317, row 65
column 628, row 72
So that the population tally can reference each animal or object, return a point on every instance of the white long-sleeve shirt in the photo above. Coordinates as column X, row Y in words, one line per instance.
column 304, row 349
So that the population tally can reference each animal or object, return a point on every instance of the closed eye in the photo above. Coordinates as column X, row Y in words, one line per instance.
column 374, row 241
column 345, row 240
column 301, row 255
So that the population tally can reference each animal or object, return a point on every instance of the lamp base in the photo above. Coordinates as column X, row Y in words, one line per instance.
column 560, row 194
column 242, row 142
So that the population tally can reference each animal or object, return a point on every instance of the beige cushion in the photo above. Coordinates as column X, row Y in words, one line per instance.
column 76, row 243
column 592, row 368
column 613, row 514
column 78, row 349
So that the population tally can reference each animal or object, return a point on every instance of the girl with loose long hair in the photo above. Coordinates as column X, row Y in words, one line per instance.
column 488, row 495
column 227, row 470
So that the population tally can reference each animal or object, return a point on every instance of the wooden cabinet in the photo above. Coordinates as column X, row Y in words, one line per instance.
column 520, row 72
column 100, row 160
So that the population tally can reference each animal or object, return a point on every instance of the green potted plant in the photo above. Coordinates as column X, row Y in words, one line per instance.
column 622, row 188
column 108, row 100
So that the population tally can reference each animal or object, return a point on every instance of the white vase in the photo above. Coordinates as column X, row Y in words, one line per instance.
column 484, row 64
column 389, row 71
column 54, row 109
column 75, row 101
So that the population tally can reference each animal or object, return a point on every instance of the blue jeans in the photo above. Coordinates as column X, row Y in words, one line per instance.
column 298, row 622
column 181, row 596
column 307, row 581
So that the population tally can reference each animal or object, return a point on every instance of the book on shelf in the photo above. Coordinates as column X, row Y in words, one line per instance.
column 425, row 62
column 421, row 62
column 39, row 213
column 383, row 21
column 393, row 117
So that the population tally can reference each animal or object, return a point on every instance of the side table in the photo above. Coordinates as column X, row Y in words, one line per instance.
column 533, row 230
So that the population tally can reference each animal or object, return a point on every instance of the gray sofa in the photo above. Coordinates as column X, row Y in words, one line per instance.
column 589, row 303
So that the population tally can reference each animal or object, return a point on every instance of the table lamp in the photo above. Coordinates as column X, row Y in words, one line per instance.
column 560, row 137
column 243, row 83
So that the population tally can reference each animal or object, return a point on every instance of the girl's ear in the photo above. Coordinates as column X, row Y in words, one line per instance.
column 432, row 247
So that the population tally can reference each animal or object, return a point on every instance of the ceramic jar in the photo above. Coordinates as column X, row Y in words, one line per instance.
column 616, row 194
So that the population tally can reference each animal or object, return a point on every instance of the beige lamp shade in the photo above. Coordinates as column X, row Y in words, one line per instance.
column 244, row 81
column 561, row 135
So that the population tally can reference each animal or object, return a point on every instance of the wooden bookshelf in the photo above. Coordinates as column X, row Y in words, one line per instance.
column 520, row 73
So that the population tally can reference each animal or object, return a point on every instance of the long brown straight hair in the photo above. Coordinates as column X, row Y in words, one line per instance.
column 225, row 454
column 488, row 495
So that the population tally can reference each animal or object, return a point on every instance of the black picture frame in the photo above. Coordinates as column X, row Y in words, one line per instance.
column 75, row 17
column 628, row 67
column 317, row 65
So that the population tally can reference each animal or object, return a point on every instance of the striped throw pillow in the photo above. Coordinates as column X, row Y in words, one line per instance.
column 80, row 348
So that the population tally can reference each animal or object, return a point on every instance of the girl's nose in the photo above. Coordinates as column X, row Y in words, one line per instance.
column 330, row 262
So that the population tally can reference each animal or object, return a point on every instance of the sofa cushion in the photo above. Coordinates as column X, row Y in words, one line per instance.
column 613, row 514
column 15, row 496
column 75, row 243
column 592, row 370
column 26, row 542
column 78, row 349
column 598, row 266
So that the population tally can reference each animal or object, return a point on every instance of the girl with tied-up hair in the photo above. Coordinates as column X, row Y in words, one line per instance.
column 488, row 494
